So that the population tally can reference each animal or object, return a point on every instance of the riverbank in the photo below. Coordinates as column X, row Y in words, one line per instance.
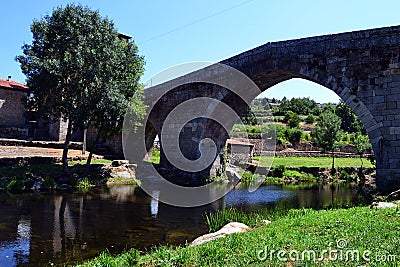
column 49, row 176
column 355, row 236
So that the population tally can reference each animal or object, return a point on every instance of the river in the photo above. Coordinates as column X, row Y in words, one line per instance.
column 45, row 229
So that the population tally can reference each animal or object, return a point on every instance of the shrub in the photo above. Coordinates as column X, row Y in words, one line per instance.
column 292, row 119
column 247, row 176
column 345, row 175
column 310, row 119
column 293, row 135
column 279, row 170
column 298, row 176
column 305, row 137
column 17, row 186
column 49, row 183
column 84, row 183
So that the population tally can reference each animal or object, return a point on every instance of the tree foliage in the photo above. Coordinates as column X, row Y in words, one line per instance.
column 362, row 144
column 77, row 68
column 327, row 132
column 301, row 106
column 292, row 119
column 350, row 122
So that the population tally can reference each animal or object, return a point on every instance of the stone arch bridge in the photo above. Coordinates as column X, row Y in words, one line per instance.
column 362, row 67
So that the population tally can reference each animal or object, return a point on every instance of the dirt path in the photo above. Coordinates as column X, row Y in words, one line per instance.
column 19, row 151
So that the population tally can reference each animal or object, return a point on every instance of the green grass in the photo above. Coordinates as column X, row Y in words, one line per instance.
column 155, row 156
column 94, row 161
column 323, row 162
column 122, row 181
column 299, row 176
column 215, row 220
column 358, row 228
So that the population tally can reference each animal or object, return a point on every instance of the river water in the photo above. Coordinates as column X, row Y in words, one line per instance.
column 45, row 229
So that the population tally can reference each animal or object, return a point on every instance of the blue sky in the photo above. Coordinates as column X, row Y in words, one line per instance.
column 174, row 32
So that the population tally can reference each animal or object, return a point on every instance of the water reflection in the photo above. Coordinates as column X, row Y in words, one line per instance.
column 154, row 204
column 119, row 193
column 16, row 252
column 38, row 229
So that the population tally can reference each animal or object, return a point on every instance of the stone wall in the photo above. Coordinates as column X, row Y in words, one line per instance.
column 58, row 130
column 12, row 108
column 13, row 132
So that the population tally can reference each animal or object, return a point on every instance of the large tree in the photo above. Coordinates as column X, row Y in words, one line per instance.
column 362, row 144
column 327, row 133
column 79, row 70
column 350, row 122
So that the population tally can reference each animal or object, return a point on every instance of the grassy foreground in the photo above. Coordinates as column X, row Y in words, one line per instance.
column 323, row 162
column 343, row 237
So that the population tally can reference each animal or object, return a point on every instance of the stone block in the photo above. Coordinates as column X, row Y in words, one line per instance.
column 391, row 104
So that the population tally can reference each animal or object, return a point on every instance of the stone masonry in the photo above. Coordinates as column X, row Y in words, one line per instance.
column 12, row 109
column 362, row 67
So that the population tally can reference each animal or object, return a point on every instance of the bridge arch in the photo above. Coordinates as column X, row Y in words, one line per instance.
column 361, row 67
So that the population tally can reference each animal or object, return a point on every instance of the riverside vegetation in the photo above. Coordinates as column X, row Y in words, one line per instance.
column 22, row 178
column 368, row 232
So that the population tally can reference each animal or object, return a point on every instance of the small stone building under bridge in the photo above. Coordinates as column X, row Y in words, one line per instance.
column 239, row 151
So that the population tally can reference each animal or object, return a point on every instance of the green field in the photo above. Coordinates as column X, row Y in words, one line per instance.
column 345, row 233
column 323, row 162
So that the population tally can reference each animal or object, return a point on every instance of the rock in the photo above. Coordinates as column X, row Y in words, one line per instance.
column 266, row 222
column 232, row 173
column 230, row 228
column 123, row 174
column 119, row 169
column 394, row 195
column 119, row 162
column 383, row 205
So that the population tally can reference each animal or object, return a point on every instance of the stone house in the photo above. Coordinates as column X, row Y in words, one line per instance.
column 239, row 151
column 13, row 97
column 17, row 122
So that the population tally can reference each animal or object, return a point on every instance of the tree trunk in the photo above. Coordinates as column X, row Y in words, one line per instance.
column 333, row 160
column 65, row 149
column 89, row 159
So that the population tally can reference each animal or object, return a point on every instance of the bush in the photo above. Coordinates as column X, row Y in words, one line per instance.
column 310, row 119
column 279, row 170
column 292, row 119
column 253, row 129
column 247, row 176
column 305, row 137
column 345, row 175
column 49, row 183
column 293, row 135
column 298, row 176
column 17, row 186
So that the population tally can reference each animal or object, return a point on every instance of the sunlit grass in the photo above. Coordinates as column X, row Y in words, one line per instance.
column 155, row 156
column 356, row 228
column 323, row 162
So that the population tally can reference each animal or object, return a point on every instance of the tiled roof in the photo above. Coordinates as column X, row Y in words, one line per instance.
column 237, row 142
column 4, row 84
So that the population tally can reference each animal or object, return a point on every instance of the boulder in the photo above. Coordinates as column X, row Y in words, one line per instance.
column 230, row 228
column 232, row 173
column 119, row 162
column 383, row 205
column 120, row 169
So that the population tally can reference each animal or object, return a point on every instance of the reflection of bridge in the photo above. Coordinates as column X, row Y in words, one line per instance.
column 362, row 67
